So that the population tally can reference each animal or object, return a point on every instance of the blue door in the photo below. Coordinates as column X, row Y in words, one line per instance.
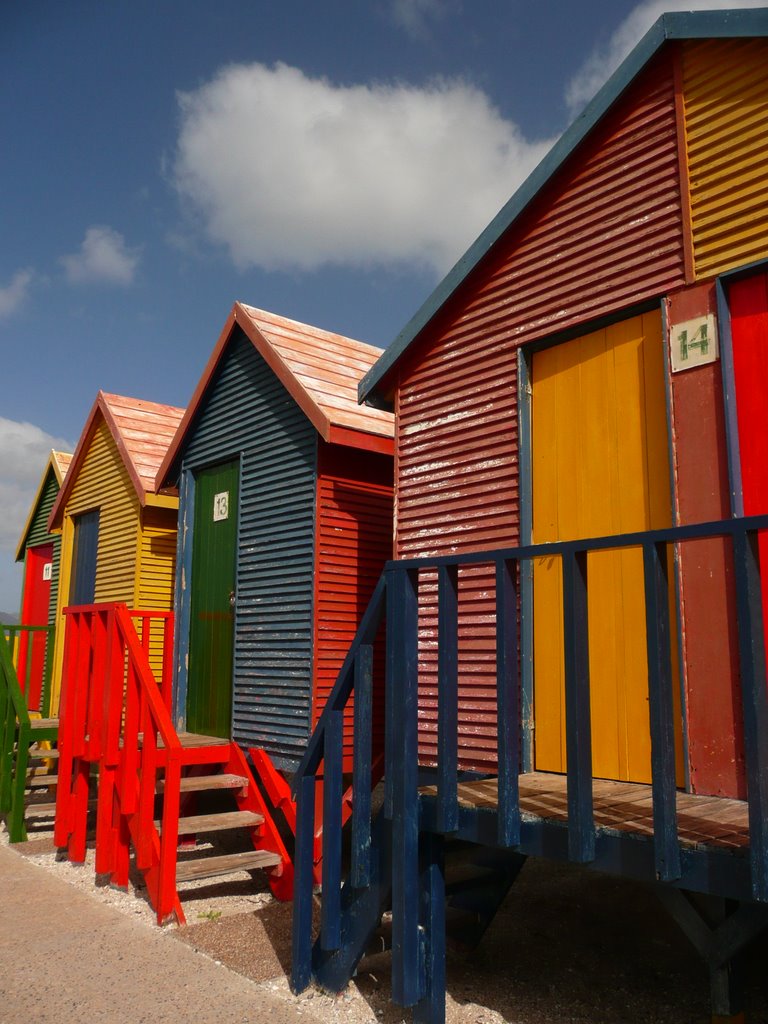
column 83, row 587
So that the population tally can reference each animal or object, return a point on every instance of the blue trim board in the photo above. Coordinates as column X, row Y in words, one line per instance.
column 729, row 400
column 240, row 472
column 675, row 550
column 525, row 490
column 689, row 25
column 182, row 594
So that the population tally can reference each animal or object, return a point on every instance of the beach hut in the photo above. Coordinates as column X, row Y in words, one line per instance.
column 40, row 552
column 118, row 534
column 285, row 488
column 573, row 619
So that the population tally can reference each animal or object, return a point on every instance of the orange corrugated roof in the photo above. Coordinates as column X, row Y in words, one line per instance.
column 319, row 369
column 142, row 432
column 327, row 366
column 146, row 429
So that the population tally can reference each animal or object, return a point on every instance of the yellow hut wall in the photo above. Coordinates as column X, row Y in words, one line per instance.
column 725, row 103
column 102, row 483
column 155, row 569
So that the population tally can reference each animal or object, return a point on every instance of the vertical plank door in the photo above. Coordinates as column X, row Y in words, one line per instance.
column 600, row 466
column 212, row 601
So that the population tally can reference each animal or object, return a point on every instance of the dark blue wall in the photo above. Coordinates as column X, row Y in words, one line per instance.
column 248, row 413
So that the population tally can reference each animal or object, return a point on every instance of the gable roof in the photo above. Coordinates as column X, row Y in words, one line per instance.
column 319, row 369
column 56, row 463
column 141, row 431
column 726, row 24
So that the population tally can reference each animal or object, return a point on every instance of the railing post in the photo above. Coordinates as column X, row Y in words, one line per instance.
column 402, row 766
column 167, row 680
column 169, row 838
column 661, row 712
column 754, row 700
column 361, row 770
column 67, row 706
column 581, row 823
column 447, row 697
column 46, row 710
column 330, row 926
column 508, row 703
column 301, row 965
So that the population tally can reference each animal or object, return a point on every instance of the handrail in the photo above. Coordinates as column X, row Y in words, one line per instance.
column 21, row 638
column 326, row 744
column 636, row 539
column 399, row 586
column 13, row 710
column 114, row 713
column 138, row 655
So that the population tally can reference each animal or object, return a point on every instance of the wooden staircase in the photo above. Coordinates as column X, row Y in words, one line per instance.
column 115, row 715
column 41, row 780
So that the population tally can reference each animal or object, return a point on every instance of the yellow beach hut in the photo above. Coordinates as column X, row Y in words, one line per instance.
column 118, row 534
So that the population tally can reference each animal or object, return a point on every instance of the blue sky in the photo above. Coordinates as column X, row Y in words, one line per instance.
column 328, row 161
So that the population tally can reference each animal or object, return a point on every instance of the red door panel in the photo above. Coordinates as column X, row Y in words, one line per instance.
column 34, row 612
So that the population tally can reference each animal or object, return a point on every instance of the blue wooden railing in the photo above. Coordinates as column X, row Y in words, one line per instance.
column 397, row 595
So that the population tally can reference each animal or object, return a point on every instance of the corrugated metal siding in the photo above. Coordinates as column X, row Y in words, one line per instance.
column 156, row 572
column 101, row 483
column 725, row 89
column 354, row 531
column 605, row 233
column 247, row 410
column 38, row 534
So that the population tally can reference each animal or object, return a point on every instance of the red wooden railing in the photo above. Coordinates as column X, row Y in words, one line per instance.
column 115, row 713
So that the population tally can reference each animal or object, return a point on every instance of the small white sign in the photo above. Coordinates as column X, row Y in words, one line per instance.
column 47, row 570
column 693, row 342
column 220, row 506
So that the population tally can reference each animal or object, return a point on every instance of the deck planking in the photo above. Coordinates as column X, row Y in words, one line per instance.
column 619, row 806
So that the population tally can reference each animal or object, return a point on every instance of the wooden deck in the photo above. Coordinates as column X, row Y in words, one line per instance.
column 620, row 807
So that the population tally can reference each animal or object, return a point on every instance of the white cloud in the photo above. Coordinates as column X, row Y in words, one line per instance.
column 414, row 15
column 103, row 257
column 290, row 171
column 13, row 295
column 24, row 450
column 604, row 60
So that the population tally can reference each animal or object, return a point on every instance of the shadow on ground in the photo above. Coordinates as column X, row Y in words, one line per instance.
column 568, row 945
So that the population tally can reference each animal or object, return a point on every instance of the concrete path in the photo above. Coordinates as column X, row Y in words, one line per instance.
column 70, row 959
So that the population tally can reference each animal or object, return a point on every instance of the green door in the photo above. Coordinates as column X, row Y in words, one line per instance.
column 212, row 604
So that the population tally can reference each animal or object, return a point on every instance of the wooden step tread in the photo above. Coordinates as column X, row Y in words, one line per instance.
column 217, row 822
column 34, row 809
column 190, row 740
column 42, row 781
column 198, row 783
column 43, row 723
column 208, row 867
column 36, row 754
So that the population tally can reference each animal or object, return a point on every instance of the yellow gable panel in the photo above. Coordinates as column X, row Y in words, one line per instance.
column 725, row 97
column 102, row 483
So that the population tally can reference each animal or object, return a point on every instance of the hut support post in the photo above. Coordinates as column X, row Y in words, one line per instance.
column 719, row 930
column 430, row 1009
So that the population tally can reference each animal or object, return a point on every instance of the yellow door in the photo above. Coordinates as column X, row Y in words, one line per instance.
column 600, row 466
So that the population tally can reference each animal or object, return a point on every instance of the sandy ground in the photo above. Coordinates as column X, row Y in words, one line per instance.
column 567, row 946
